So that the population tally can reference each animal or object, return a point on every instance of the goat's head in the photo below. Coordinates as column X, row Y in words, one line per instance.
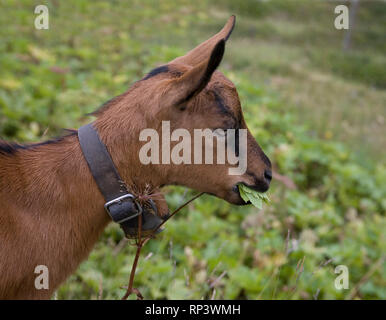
column 190, row 94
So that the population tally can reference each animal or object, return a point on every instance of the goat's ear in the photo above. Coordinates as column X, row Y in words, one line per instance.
column 202, row 51
column 193, row 81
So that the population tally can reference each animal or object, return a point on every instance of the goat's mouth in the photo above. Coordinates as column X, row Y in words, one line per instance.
column 232, row 194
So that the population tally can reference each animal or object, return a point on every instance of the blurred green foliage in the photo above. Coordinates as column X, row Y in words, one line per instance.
column 336, row 214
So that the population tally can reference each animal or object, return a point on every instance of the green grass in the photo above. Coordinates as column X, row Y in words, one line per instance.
column 316, row 111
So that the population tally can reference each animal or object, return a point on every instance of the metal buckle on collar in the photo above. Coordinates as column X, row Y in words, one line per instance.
column 119, row 200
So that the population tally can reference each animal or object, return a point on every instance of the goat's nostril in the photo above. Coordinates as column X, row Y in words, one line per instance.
column 268, row 175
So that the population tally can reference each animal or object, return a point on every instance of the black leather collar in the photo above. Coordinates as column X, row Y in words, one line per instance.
column 120, row 204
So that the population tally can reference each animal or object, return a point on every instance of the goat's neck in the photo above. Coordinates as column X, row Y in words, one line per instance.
column 124, row 146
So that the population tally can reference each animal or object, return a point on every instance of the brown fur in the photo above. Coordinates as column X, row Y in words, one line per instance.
column 51, row 210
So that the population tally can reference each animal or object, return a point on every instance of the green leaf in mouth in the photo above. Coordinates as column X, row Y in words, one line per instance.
column 256, row 198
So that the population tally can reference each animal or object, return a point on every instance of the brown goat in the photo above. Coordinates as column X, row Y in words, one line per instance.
column 51, row 210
